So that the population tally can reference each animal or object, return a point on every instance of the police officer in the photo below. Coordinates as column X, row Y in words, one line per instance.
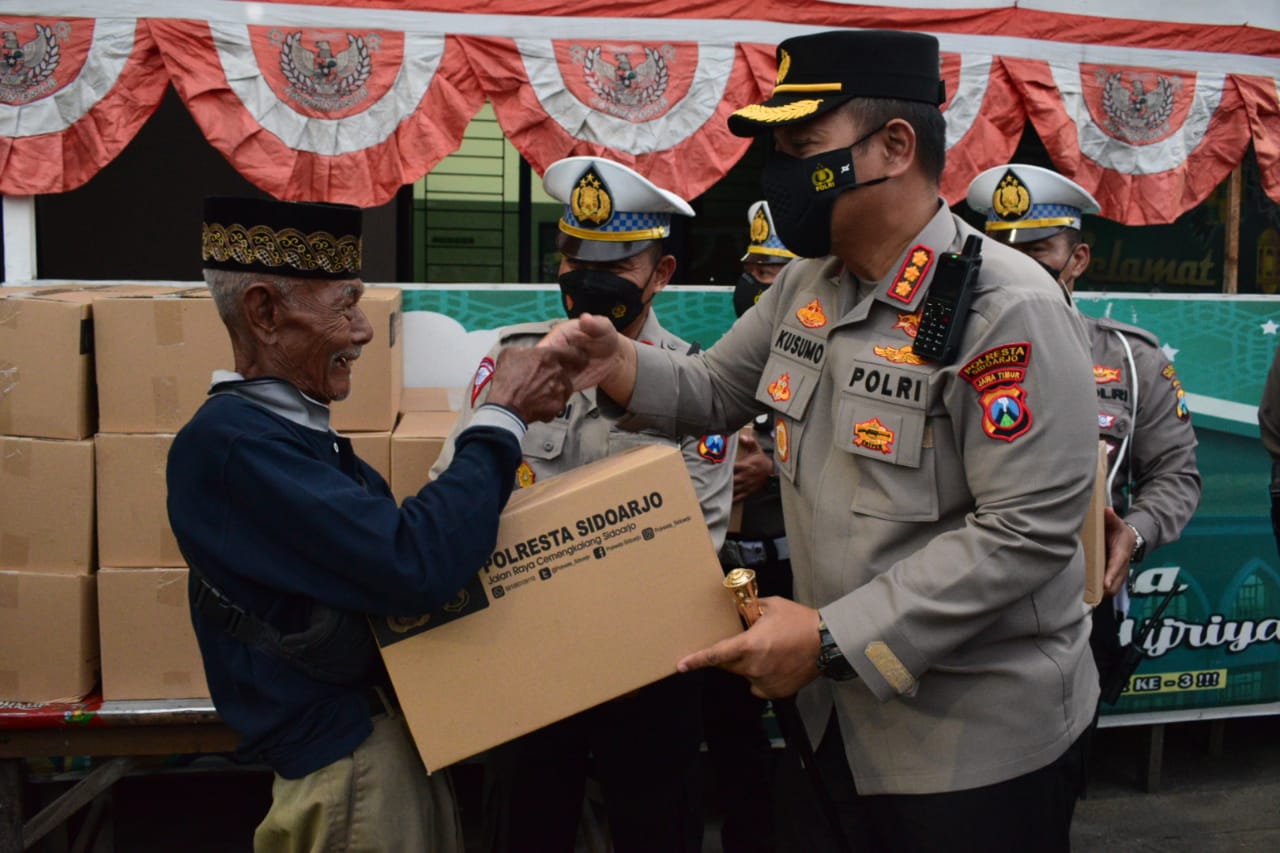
column 1152, row 479
column 933, row 504
column 738, row 744
column 643, row 747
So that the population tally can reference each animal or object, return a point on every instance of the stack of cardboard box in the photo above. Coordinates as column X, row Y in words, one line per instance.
column 94, row 383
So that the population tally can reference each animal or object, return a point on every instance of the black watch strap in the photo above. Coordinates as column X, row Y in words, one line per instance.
column 831, row 661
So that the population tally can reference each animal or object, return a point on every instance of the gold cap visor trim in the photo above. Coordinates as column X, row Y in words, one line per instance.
column 773, row 253
column 1047, row 222
column 613, row 236
column 786, row 112
column 808, row 87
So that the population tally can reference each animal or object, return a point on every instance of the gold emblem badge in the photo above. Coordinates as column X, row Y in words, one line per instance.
column 618, row 311
column 1103, row 374
column 909, row 323
column 590, row 202
column 899, row 355
column 784, row 65
column 874, row 435
column 525, row 475
column 780, row 388
column 812, row 316
column 823, row 179
column 781, row 441
column 759, row 227
column 1012, row 199
column 785, row 112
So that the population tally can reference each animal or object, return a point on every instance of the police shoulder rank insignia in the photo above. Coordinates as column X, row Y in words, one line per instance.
column 1011, row 199
column 1103, row 374
column 590, row 201
column 917, row 263
column 780, row 388
column 874, row 435
column 525, row 475
column 997, row 376
column 712, row 448
column 483, row 374
column 781, row 440
column 812, row 316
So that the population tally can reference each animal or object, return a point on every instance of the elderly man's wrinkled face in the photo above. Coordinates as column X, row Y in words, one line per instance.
column 321, row 333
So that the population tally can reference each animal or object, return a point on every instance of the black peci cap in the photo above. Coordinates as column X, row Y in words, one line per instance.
column 300, row 239
column 818, row 72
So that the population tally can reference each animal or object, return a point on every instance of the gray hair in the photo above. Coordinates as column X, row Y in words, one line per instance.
column 228, row 286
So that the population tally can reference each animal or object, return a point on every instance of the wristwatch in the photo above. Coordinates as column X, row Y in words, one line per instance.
column 1139, row 545
column 831, row 661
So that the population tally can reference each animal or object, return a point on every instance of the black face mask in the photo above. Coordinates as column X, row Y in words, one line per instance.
column 746, row 292
column 802, row 191
column 1056, row 274
column 602, row 293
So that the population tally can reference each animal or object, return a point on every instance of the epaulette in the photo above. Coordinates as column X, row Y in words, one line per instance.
column 1110, row 325
column 537, row 328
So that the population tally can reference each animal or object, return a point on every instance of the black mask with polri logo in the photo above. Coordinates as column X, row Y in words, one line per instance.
column 802, row 190
column 746, row 292
column 591, row 291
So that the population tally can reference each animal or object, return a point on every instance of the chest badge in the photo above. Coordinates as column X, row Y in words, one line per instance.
column 909, row 323
column 898, row 355
column 781, row 441
column 780, row 388
column 1103, row 374
column 1106, row 421
column 525, row 476
column 912, row 273
column 812, row 316
column 874, row 435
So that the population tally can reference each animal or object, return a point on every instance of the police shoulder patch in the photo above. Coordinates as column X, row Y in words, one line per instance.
column 712, row 448
column 483, row 374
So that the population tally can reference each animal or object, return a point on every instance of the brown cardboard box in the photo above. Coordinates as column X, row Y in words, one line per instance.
column 155, row 356
column 415, row 445
column 601, row 580
column 133, row 521
column 48, row 636
column 46, row 363
column 149, row 649
column 431, row 399
column 1093, row 534
column 374, row 448
column 377, row 377
column 46, row 505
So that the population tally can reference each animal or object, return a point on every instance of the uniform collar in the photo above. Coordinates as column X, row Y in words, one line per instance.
column 652, row 332
column 908, row 279
column 276, row 396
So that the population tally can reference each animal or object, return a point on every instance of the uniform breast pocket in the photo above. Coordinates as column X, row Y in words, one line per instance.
column 893, row 446
column 786, row 387
column 544, row 451
column 621, row 439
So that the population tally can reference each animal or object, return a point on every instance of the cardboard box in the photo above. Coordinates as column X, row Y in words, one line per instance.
column 1093, row 534
column 48, row 636
column 432, row 399
column 415, row 446
column 374, row 448
column 601, row 580
column 149, row 648
column 46, row 505
column 46, row 363
column 377, row 377
column 133, row 520
column 155, row 355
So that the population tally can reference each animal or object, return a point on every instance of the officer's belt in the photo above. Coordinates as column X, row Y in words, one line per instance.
column 748, row 553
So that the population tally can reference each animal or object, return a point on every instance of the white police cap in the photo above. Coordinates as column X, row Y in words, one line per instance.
column 610, row 211
column 1027, row 203
column 765, row 247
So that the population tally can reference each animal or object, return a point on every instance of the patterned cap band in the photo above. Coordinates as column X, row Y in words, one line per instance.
column 622, row 226
column 308, row 240
column 1038, row 216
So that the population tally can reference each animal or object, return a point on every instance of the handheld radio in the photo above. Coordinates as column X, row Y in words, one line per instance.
column 946, row 307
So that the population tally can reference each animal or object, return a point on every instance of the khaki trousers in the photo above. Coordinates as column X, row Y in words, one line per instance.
column 379, row 799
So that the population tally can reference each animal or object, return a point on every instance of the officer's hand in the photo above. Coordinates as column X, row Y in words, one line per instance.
column 610, row 357
column 778, row 654
column 1120, row 541
column 535, row 381
column 752, row 467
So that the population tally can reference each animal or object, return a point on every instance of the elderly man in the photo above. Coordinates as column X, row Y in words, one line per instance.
column 1152, row 478
column 292, row 539
column 642, row 747
column 935, row 435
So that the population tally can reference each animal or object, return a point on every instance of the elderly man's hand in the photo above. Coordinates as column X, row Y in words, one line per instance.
column 610, row 358
column 778, row 654
column 535, row 382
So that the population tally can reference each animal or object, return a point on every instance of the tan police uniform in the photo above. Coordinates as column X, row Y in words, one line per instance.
column 582, row 434
column 1156, row 485
column 932, row 511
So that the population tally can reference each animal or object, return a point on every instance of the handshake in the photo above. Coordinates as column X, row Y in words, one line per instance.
column 537, row 382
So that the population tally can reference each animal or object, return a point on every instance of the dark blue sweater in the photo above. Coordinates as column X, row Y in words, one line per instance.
column 275, row 515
